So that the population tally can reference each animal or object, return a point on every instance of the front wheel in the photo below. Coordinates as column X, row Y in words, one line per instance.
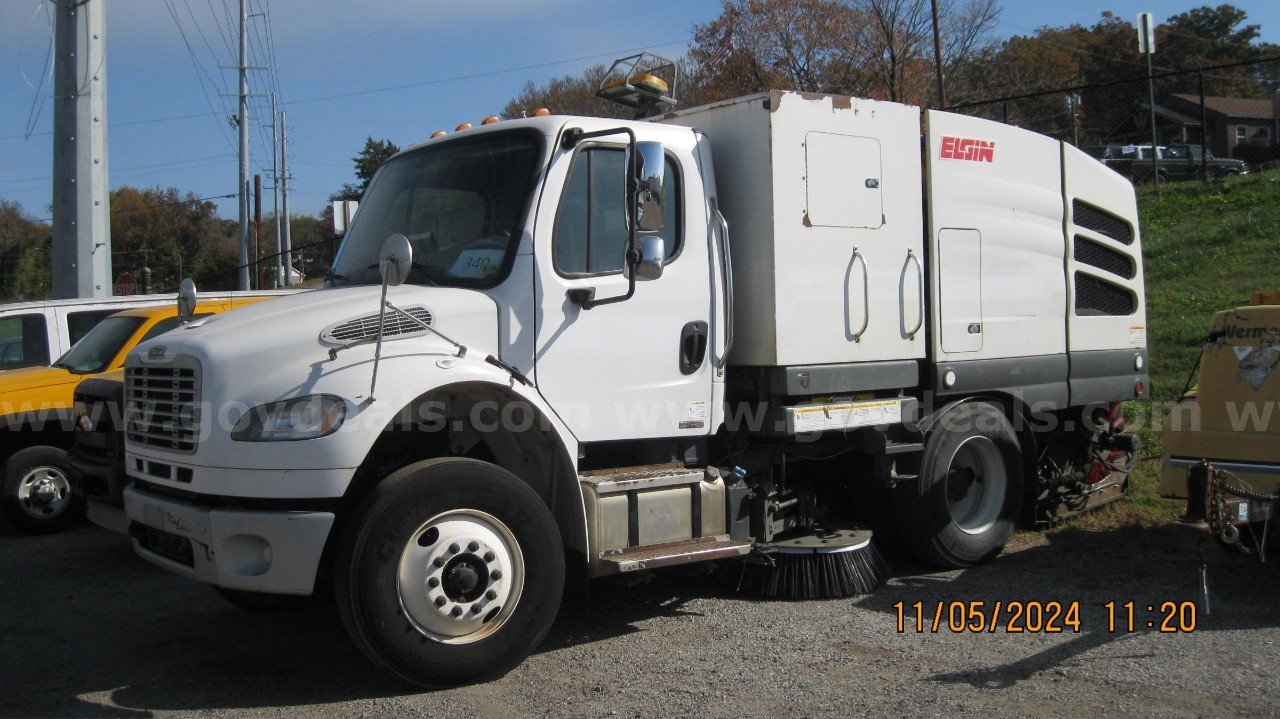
column 452, row 571
column 36, row 494
column 962, row 510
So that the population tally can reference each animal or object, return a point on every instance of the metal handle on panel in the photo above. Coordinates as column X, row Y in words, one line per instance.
column 726, row 267
column 866, row 294
column 911, row 255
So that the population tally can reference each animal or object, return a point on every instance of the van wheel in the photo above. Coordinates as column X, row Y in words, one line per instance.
column 451, row 571
column 963, row 508
column 36, row 494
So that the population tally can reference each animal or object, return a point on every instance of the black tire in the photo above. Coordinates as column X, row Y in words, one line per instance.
column 984, row 490
column 262, row 603
column 36, row 496
column 387, row 550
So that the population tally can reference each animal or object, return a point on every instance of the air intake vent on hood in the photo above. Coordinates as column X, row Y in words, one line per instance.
column 366, row 327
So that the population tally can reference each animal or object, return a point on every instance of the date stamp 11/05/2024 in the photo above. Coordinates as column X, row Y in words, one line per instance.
column 1041, row 617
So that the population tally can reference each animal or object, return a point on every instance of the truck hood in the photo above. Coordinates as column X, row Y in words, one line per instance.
column 33, row 378
column 274, row 350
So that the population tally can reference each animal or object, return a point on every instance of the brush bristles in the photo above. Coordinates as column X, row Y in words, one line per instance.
column 813, row 575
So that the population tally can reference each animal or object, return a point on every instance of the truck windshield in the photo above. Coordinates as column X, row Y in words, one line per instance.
column 95, row 352
column 460, row 204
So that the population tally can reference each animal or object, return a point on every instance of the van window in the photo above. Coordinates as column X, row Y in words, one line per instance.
column 79, row 323
column 24, row 341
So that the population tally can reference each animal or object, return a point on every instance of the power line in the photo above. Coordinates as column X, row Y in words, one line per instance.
column 392, row 88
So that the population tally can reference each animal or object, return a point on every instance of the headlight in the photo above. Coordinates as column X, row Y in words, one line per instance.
column 307, row 417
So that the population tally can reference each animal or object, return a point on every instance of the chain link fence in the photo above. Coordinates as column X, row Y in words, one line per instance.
column 1230, row 110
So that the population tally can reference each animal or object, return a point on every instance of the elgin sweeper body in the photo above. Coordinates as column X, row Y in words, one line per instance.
column 756, row 331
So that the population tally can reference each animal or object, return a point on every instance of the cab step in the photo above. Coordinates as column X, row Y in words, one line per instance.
column 683, row 552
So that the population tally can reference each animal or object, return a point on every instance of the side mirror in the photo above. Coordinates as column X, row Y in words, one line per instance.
column 653, row 251
column 343, row 212
column 186, row 298
column 651, row 163
column 396, row 260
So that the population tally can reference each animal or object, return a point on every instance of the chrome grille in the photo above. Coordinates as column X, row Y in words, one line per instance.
column 366, row 327
column 162, row 405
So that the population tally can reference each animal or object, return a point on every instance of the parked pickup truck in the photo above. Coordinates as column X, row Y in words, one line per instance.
column 1174, row 162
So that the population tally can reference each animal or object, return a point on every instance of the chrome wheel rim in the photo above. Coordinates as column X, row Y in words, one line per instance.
column 460, row 576
column 976, row 485
column 44, row 492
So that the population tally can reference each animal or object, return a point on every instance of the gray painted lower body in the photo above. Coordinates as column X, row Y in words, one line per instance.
column 1052, row 381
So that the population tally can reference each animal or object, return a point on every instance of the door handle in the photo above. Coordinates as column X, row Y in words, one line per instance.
column 911, row 257
column 693, row 346
column 866, row 294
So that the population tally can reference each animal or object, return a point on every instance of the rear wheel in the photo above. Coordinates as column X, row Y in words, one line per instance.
column 451, row 572
column 962, row 509
column 36, row 494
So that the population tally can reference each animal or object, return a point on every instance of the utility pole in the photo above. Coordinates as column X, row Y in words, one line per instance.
column 244, row 144
column 937, row 58
column 81, row 206
column 1147, row 46
column 275, row 189
column 257, row 231
column 284, row 199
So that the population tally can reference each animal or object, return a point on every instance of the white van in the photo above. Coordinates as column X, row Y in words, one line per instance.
column 33, row 334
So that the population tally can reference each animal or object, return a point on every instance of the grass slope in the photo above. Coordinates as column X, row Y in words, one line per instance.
column 1206, row 247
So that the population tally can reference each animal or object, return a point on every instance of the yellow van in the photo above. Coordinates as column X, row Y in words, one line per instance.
column 36, row 412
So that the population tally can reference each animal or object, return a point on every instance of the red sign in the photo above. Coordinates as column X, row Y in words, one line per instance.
column 965, row 148
column 126, row 285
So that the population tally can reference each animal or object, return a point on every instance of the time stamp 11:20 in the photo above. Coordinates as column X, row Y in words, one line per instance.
column 1037, row 617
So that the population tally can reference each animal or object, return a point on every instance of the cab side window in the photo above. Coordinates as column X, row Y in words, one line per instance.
column 590, row 236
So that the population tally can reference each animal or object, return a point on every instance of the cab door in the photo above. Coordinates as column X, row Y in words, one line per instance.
column 640, row 368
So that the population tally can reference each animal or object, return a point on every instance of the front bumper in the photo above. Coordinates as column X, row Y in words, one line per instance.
column 276, row 552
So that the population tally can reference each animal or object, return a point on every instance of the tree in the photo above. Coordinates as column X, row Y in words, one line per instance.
column 171, row 232
column 567, row 95
column 372, row 156
column 25, row 248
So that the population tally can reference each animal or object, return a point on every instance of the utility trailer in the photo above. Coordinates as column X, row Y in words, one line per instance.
column 553, row 346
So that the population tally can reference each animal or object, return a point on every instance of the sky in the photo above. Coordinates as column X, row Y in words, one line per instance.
column 344, row 70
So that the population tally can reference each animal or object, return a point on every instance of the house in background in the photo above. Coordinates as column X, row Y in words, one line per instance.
column 1230, row 121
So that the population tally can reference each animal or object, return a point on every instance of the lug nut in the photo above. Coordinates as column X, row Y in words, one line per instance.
column 454, row 548
column 475, row 608
column 433, row 582
column 490, row 595
column 489, row 556
column 495, row 575
column 474, row 546
column 438, row 561
column 456, row 611
column 441, row 601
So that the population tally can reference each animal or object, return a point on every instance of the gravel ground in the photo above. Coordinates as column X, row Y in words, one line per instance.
column 91, row 630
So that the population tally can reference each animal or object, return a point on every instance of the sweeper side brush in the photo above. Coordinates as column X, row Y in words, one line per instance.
column 824, row 564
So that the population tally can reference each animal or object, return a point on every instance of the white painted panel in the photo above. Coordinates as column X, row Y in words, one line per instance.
column 842, row 180
column 1090, row 181
column 1005, row 183
column 799, row 286
column 960, row 280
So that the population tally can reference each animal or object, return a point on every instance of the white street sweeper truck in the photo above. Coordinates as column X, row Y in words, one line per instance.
column 755, row 331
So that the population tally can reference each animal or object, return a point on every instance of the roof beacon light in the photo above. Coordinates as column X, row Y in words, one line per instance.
column 637, row 82
column 541, row 112
column 463, row 126
column 489, row 120
column 438, row 133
